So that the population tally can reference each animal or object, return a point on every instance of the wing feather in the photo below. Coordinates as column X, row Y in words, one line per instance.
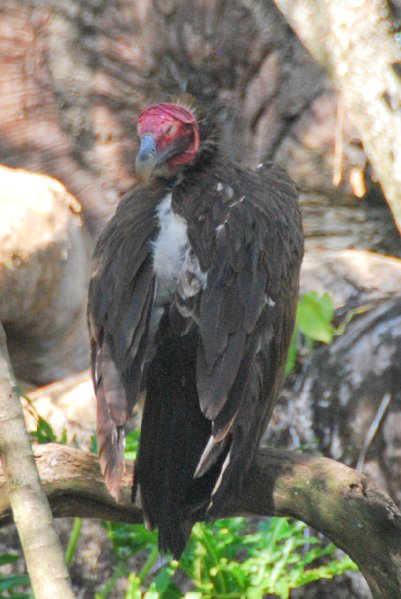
column 119, row 306
column 214, row 383
column 252, row 287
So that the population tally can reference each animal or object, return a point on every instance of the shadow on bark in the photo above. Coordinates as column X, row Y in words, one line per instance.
column 332, row 498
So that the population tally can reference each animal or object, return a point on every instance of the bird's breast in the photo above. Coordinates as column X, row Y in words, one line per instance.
column 169, row 250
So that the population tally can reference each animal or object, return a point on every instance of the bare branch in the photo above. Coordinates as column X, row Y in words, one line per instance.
column 332, row 498
column 23, row 492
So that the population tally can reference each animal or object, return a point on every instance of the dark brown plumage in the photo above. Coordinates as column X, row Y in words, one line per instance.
column 192, row 302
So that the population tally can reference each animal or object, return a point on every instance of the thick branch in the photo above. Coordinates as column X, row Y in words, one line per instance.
column 329, row 496
column 353, row 41
column 23, row 492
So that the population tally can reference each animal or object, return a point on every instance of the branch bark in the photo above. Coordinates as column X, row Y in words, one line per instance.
column 330, row 497
column 22, row 490
column 353, row 41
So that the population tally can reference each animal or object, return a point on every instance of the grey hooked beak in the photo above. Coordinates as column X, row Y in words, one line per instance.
column 145, row 162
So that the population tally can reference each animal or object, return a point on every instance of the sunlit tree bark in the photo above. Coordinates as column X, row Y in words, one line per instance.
column 353, row 40
column 334, row 499
column 23, row 491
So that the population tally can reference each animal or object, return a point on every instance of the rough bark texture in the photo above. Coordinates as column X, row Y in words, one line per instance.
column 25, row 496
column 68, row 405
column 347, row 397
column 353, row 278
column 334, row 499
column 44, row 268
column 353, row 41
column 352, row 394
column 74, row 75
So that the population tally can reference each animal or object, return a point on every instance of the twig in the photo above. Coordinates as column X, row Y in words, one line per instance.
column 374, row 427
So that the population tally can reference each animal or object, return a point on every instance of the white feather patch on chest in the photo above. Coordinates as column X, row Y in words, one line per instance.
column 169, row 250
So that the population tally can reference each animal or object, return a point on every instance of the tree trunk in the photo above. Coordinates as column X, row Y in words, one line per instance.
column 23, row 491
column 353, row 41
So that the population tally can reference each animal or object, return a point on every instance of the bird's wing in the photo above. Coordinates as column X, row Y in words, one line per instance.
column 119, row 304
column 247, row 307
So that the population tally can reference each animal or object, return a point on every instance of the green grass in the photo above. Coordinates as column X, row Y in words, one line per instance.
column 224, row 560
column 13, row 586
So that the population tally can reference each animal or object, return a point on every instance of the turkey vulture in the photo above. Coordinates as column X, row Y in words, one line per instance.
column 191, row 309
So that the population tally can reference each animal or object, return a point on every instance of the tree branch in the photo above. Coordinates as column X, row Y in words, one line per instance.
column 22, row 491
column 330, row 497
column 353, row 41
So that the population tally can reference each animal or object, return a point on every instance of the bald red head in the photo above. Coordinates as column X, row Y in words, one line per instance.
column 174, row 130
column 159, row 113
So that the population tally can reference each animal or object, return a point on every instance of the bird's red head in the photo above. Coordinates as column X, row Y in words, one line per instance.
column 169, row 139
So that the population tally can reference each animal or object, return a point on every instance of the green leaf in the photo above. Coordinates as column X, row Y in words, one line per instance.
column 93, row 447
column 134, row 588
column 9, row 582
column 163, row 579
column 45, row 434
column 314, row 316
column 292, row 353
column 132, row 444
column 8, row 558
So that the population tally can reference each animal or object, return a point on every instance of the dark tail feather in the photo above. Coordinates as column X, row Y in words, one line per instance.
column 174, row 434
